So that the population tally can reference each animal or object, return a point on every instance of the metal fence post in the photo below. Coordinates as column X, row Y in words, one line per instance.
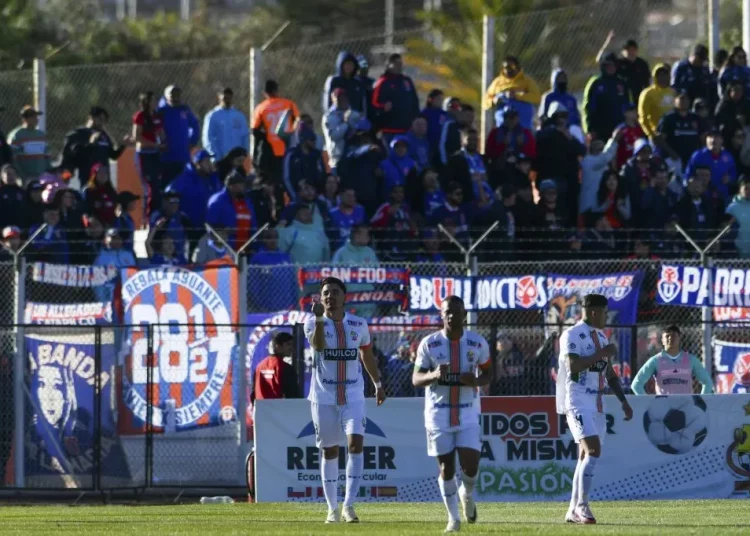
column 256, row 79
column 488, row 72
column 472, row 270
column 242, row 353
column 19, row 368
column 707, row 319
column 299, row 355
column 40, row 91
column 97, row 477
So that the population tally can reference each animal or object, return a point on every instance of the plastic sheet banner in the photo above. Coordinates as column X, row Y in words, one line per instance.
column 731, row 366
column 675, row 447
column 191, row 346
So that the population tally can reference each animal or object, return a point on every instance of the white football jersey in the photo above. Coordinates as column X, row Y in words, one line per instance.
column 581, row 391
column 337, row 371
column 449, row 405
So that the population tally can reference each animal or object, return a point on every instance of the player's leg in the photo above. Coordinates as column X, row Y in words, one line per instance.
column 469, row 443
column 354, row 421
column 442, row 445
column 327, row 432
column 591, row 447
column 575, row 424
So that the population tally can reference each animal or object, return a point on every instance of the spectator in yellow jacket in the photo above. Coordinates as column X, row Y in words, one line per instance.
column 656, row 101
column 513, row 88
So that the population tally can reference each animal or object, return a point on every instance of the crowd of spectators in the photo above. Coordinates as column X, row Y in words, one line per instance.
column 386, row 179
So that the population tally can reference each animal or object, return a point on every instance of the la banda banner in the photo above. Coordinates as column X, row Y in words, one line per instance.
column 675, row 447
column 524, row 292
column 724, row 288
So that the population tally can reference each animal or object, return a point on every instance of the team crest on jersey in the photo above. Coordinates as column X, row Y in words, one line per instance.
column 470, row 356
column 354, row 336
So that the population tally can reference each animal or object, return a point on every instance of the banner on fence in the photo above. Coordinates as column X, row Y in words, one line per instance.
column 71, row 314
column 365, row 284
column 192, row 338
column 71, row 275
column 687, row 447
column 691, row 285
column 731, row 366
column 61, row 449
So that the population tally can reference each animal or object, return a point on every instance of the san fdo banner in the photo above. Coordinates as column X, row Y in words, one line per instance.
column 64, row 379
column 376, row 285
column 675, row 447
column 179, row 347
column 698, row 286
column 731, row 366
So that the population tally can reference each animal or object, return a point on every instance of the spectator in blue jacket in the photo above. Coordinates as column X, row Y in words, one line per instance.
column 559, row 93
column 232, row 208
column 435, row 115
column 735, row 71
column 225, row 128
column 693, row 77
column 605, row 100
column 345, row 216
column 723, row 168
column 395, row 99
column 346, row 78
column 173, row 222
column 399, row 169
column 419, row 145
column 195, row 186
column 112, row 254
column 182, row 131
column 51, row 245
column 272, row 278
column 304, row 162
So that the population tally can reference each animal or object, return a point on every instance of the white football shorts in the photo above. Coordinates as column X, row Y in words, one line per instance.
column 440, row 443
column 330, row 420
column 587, row 423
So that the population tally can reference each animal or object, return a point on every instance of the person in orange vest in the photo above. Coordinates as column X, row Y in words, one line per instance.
column 672, row 369
column 275, row 378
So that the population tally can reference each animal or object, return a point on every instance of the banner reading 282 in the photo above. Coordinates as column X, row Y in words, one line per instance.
column 192, row 342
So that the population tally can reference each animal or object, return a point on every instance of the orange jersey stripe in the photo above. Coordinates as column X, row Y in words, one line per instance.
column 341, row 365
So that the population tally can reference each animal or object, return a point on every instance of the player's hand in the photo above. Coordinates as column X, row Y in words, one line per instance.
column 440, row 372
column 317, row 308
column 610, row 350
column 380, row 395
column 468, row 379
column 627, row 410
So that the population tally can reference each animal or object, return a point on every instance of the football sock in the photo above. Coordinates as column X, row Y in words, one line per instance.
column 330, row 474
column 574, row 487
column 468, row 482
column 586, row 478
column 449, row 491
column 354, row 465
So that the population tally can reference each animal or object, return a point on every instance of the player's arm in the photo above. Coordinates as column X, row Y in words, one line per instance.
column 702, row 375
column 318, row 339
column 614, row 383
column 484, row 370
column 425, row 373
column 645, row 373
column 577, row 364
column 370, row 362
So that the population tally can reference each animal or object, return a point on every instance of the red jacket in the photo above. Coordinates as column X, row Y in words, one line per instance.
column 522, row 140
column 274, row 379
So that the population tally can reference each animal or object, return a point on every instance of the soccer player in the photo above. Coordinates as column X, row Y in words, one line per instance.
column 583, row 366
column 672, row 369
column 337, row 392
column 452, row 364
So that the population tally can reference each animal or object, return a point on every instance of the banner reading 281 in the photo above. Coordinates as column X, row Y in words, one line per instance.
column 192, row 343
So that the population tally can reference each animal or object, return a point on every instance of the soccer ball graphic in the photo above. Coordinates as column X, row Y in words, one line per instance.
column 676, row 424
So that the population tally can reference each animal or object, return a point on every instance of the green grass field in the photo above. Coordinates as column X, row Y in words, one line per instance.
column 656, row 517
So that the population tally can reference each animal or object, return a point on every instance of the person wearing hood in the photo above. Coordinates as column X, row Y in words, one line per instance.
column 195, row 186
column 304, row 241
column 692, row 76
column 635, row 175
column 395, row 99
column 399, row 169
column 605, row 100
column 735, row 71
column 655, row 101
column 225, row 128
column 346, row 78
column 559, row 93
column 515, row 88
column 739, row 209
column 339, row 124
column 303, row 162
column 723, row 168
column 182, row 131
column 233, row 209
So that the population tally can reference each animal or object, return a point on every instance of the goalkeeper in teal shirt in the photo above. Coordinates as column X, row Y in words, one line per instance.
column 673, row 369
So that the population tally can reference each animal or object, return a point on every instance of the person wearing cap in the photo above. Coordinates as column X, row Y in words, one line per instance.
column 182, row 131
column 679, row 134
column 195, row 186
column 175, row 223
column 733, row 110
column 395, row 99
column 232, row 208
column 692, row 76
column 508, row 138
column 112, row 254
column 126, row 204
column 605, row 100
column 303, row 162
column 399, row 169
column 346, row 79
column 11, row 238
column 30, row 150
column 658, row 201
column 550, row 214
column 51, row 245
column 13, row 204
column 91, row 144
column 735, row 71
column 739, row 209
column 363, row 75
column 673, row 369
column 339, row 125
column 723, row 168
column 225, row 127
column 559, row 93
column 655, row 101
column 515, row 88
